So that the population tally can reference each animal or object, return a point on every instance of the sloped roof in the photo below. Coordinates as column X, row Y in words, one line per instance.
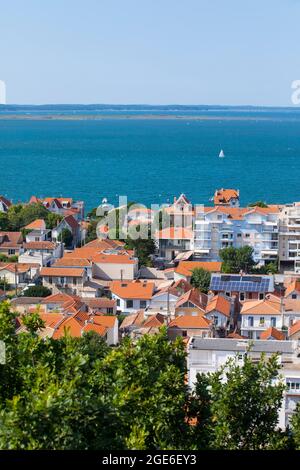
column 156, row 320
column 189, row 321
column 185, row 268
column 136, row 319
column 195, row 297
column 272, row 333
column 132, row 289
column 62, row 272
column 261, row 307
column 38, row 224
column 220, row 304
column 294, row 328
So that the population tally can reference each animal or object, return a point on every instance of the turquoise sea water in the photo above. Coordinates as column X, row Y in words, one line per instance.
column 151, row 160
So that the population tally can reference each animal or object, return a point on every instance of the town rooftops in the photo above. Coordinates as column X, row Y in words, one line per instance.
column 261, row 307
column 10, row 239
column 62, row 272
column 38, row 224
column 294, row 328
column 185, row 268
column 18, row 267
column 237, row 345
column 189, row 321
column 71, row 262
column 220, row 304
column 241, row 283
column 272, row 333
column 193, row 296
column 133, row 289
column 224, row 196
column 43, row 245
column 293, row 286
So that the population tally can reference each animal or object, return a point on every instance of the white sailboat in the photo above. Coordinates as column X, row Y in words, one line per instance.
column 221, row 154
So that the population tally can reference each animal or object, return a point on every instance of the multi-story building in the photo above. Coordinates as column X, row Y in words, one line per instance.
column 289, row 237
column 210, row 354
column 221, row 227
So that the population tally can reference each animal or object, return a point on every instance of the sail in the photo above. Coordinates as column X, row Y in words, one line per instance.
column 221, row 154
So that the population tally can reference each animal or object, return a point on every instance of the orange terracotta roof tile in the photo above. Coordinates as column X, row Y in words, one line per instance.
column 75, row 262
column 224, row 196
column 137, row 319
column 43, row 245
column 272, row 333
column 156, row 320
column 294, row 328
column 185, row 268
column 220, row 304
column 132, row 289
column 38, row 224
column 261, row 307
column 113, row 258
column 63, row 272
column 293, row 286
column 189, row 322
column 195, row 297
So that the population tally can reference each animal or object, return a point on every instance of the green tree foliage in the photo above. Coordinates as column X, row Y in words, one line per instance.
column 66, row 237
column 52, row 220
column 4, row 222
column 237, row 406
column 235, row 260
column 77, row 393
column 201, row 279
column 37, row 291
column 144, row 246
column 258, row 204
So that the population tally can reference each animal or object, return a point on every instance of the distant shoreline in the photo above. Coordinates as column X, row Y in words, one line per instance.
column 97, row 117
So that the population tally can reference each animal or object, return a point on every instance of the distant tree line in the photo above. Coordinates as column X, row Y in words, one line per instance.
column 20, row 215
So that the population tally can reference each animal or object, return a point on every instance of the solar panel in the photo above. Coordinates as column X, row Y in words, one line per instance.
column 239, row 284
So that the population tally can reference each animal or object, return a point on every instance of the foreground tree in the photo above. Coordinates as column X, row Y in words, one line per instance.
column 201, row 279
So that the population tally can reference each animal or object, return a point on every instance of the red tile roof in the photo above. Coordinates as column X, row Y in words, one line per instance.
column 190, row 322
column 38, row 224
column 44, row 245
column 156, row 320
column 195, row 297
column 272, row 333
column 224, row 196
column 63, row 272
column 10, row 239
column 185, row 267
column 220, row 304
column 133, row 289
column 294, row 328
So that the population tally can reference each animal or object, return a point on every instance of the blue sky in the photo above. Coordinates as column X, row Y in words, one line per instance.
column 150, row 51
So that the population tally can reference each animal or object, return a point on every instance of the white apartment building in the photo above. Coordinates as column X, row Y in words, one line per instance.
column 289, row 237
column 209, row 354
column 221, row 227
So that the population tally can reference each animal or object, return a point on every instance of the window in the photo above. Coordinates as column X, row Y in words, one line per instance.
column 11, row 252
column 262, row 321
column 250, row 321
column 261, row 296
column 184, row 333
column 227, row 294
column 273, row 321
column 143, row 304
column 109, row 310
column 74, row 281
column 62, row 280
column 216, row 320
column 118, row 302
column 294, row 296
column 247, row 235
column 129, row 303
column 239, row 235
column 242, row 295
